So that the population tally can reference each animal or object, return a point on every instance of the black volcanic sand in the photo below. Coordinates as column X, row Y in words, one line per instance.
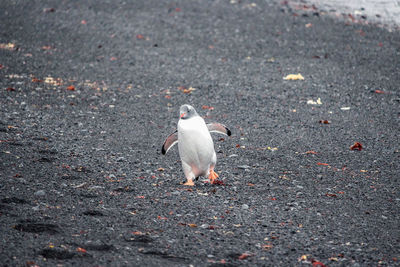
column 90, row 89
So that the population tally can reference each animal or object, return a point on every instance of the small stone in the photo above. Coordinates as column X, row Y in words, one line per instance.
column 40, row 193
column 120, row 159
column 96, row 187
column 205, row 226
column 244, row 167
column 245, row 207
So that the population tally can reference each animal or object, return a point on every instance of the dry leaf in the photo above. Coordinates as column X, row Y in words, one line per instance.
column 81, row 250
column 356, row 146
column 188, row 91
column 316, row 263
column 36, row 80
column 330, row 195
column 267, row 246
column 207, row 107
column 137, row 233
column 8, row 46
column 244, row 256
column 71, row 88
column 303, row 258
column 294, row 77
column 312, row 102
column 52, row 81
column 324, row 122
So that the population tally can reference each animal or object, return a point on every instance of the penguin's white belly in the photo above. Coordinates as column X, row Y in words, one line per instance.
column 196, row 147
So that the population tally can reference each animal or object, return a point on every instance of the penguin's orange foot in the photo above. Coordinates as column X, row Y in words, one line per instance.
column 189, row 182
column 213, row 176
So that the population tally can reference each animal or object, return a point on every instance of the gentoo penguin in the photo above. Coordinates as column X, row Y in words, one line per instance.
column 196, row 147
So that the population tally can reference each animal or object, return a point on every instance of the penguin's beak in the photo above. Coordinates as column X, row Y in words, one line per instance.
column 183, row 114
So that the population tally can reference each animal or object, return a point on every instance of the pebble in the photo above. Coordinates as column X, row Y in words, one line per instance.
column 245, row 207
column 243, row 167
column 120, row 159
column 40, row 193
column 205, row 226
column 96, row 187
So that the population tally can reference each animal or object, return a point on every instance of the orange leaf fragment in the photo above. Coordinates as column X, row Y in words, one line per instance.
column 357, row 146
column 188, row 91
column 193, row 225
column 244, row 256
column 8, row 46
column 294, row 77
column 167, row 97
column 71, row 88
column 81, row 250
column 137, row 233
column 113, row 58
column 250, row 184
column 377, row 91
column 207, row 107
column 324, row 122
column 161, row 218
column 139, row 36
column 36, row 80
column 322, row 164
column 140, row 197
column 218, row 182
column 267, row 246
column 311, row 152
column 330, row 195
column 318, row 263
column 83, row 22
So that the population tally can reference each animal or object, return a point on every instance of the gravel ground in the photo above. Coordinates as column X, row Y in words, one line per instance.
column 382, row 12
column 90, row 89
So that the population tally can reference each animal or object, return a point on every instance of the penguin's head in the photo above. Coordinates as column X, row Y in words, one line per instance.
column 187, row 111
